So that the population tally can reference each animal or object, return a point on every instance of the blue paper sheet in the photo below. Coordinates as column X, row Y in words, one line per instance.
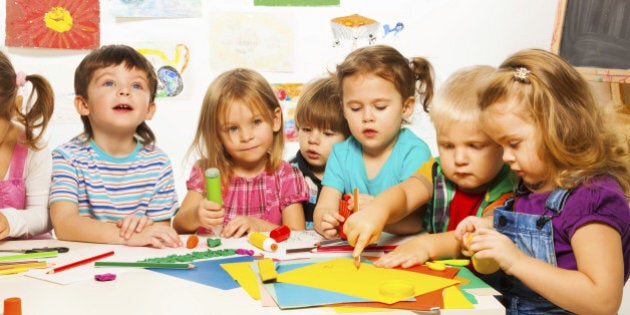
column 208, row 272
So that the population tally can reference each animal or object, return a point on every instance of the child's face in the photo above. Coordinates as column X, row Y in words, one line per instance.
column 247, row 137
column 316, row 144
column 504, row 122
column 119, row 100
column 468, row 156
column 374, row 110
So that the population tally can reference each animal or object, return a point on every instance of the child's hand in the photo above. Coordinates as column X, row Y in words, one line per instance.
column 132, row 223
column 241, row 226
column 364, row 199
column 364, row 228
column 210, row 214
column 4, row 227
column 489, row 243
column 330, row 225
column 156, row 235
column 406, row 255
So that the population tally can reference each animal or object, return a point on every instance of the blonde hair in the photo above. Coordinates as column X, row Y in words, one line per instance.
column 39, row 115
column 319, row 106
column 577, row 142
column 456, row 101
column 238, row 85
column 410, row 77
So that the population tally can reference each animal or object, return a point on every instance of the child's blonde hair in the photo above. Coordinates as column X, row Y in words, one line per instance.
column 577, row 143
column 238, row 85
column 36, row 117
column 456, row 101
column 410, row 77
column 319, row 106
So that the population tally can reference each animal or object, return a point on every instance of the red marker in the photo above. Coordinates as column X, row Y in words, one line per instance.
column 280, row 233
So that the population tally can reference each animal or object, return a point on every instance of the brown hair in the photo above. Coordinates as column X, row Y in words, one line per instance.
column 408, row 76
column 39, row 115
column 113, row 55
column 319, row 106
column 577, row 142
column 238, row 85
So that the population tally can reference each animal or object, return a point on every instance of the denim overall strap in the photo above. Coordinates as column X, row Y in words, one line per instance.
column 534, row 237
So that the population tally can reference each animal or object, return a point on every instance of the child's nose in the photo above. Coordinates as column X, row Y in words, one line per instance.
column 461, row 157
column 314, row 137
column 123, row 91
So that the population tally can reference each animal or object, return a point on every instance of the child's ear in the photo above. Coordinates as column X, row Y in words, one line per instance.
column 408, row 106
column 80, row 104
column 150, row 111
column 277, row 119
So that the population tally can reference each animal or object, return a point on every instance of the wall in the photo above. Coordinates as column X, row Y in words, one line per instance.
column 450, row 33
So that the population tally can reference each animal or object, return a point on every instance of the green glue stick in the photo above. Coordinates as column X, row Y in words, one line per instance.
column 213, row 191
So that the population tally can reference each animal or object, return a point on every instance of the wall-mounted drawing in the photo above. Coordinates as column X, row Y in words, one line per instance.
column 397, row 28
column 169, row 70
column 155, row 8
column 65, row 24
column 354, row 28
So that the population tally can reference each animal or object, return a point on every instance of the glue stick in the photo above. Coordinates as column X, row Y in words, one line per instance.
column 263, row 241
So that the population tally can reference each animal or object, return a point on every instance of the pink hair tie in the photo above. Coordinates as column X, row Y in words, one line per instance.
column 20, row 79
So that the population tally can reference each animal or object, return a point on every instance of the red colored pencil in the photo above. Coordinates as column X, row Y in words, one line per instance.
column 80, row 262
column 350, row 249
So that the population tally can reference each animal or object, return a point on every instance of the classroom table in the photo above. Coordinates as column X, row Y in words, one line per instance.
column 140, row 291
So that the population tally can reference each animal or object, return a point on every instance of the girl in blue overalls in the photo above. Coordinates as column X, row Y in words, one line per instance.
column 563, row 240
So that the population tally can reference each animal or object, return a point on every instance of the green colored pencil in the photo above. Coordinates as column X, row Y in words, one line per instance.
column 143, row 265
column 52, row 253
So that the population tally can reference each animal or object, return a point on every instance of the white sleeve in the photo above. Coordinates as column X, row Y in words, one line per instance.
column 35, row 219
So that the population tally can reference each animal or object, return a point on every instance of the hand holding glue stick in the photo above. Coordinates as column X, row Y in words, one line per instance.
column 213, row 192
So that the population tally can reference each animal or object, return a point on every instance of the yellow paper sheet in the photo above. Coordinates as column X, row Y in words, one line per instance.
column 245, row 276
column 378, row 284
column 454, row 298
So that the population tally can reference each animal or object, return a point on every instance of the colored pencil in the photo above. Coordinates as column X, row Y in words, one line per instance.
column 337, row 241
column 80, row 262
column 143, row 265
column 356, row 200
column 12, row 271
column 40, row 264
column 351, row 249
column 30, row 255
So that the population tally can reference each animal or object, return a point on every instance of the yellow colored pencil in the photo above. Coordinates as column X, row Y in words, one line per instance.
column 12, row 271
column 40, row 264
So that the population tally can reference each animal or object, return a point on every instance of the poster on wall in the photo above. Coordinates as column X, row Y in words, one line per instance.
column 64, row 24
column 170, row 61
column 262, row 41
column 288, row 95
column 155, row 8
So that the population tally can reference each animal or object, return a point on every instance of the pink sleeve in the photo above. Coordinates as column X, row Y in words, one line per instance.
column 196, row 181
column 294, row 187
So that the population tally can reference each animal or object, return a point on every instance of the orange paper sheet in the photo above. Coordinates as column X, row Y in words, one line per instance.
column 378, row 284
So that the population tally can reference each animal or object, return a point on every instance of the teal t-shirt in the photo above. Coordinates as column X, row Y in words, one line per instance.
column 345, row 169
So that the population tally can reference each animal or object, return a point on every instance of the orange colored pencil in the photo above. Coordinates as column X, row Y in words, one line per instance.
column 80, row 262
column 356, row 200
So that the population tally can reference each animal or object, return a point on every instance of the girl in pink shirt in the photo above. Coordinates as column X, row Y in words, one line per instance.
column 240, row 132
column 25, row 163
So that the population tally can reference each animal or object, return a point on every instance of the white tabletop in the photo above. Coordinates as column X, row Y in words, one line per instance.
column 139, row 291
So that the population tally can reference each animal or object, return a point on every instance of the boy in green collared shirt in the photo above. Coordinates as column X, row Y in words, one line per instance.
column 469, row 178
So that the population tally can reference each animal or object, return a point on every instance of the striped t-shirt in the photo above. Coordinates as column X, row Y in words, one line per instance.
column 109, row 188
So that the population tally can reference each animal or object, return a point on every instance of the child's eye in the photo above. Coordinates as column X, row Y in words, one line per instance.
column 381, row 106
column 232, row 129
column 306, row 129
column 108, row 83
column 513, row 144
column 447, row 146
column 329, row 133
column 477, row 146
column 258, row 121
column 137, row 86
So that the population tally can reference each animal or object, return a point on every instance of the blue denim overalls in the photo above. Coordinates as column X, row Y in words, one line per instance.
column 533, row 234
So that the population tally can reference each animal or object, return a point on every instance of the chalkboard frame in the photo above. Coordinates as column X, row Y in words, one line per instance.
column 590, row 73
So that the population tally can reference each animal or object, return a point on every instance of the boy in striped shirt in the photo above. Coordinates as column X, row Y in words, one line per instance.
column 111, row 184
